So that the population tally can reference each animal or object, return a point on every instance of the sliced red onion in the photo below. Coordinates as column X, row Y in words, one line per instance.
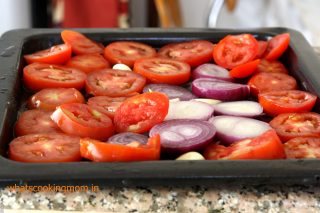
column 211, row 71
column 171, row 91
column 128, row 137
column 189, row 110
column 238, row 108
column 218, row 89
column 231, row 128
column 207, row 100
column 180, row 136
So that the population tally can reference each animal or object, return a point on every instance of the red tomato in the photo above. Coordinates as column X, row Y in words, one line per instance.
column 35, row 121
column 234, row 50
column 83, row 121
column 292, row 125
column 271, row 66
column 49, row 99
column 262, row 48
column 107, row 152
column 277, row 102
column 114, row 83
column 38, row 76
column 141, row 112
column 88, row 62
column 244, row 70
column 267, row 82
column 161, row 70
column 277, row 46
column 58, row 54
column 265, row 147
column 127, row 52
column 45, row 148
column 194, row 52
column 81, row 44
column 303, row 147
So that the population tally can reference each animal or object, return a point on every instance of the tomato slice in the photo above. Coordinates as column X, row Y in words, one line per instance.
column 271, row 66
column 88, row 62
column 141, row 112
column 108, row 152
column 292, row 125
column 244, row 70
column 45, row 148
column 161, row 70
column 234, row 50
column 58, row 54
column 83, row 121
column 127, row 52
column 303, row 147
column 277, row 102
column 49, row 99
column 81, row 44
column 39, row 76
column 262, row 48
column 35, row 121
column 194, row 52
column 267, row 82
column 114, row 83
column 264, row 147
column 277, row 46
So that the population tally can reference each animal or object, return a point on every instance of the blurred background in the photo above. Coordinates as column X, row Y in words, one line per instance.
column 300, row 15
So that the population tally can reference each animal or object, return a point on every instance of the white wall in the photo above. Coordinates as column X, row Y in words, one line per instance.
column 195, row 12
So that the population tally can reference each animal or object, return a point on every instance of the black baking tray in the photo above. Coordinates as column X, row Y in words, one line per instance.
column 300, row 59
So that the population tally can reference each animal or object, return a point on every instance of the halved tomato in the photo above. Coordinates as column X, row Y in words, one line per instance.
column 277, row 45
column 244, row 70
column 162, row 70
column 262, row 48
column 141, row 112
column 193, row 52
column 271, row 66
column 88, row 62
column 303, row 147
column 45, row 148
column 57, row 54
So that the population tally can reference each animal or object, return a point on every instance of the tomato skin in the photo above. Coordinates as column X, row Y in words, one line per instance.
column 88, row 62
column 57, row 54
column 45, row 148
column 83, row 121
column 50, row 99
column 127, row 52
column 277, row 46
column 114, row 83
column 141, row 112
column 303, row 147
column 161, row 70
column 194, row 52
column 234, row 50
column 292, row 125
column 244, row 70
column 271, row 67
column 264, row 147
column 262, row 48
column 107, row 152
column 277, row 102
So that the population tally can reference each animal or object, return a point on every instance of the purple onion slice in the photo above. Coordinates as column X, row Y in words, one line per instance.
column 211, row 71
column 128, row 137
column 171, row 91
column 238, row 108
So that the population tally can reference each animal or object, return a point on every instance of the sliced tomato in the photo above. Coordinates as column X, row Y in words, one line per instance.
column 267, row 82
column 58, row 54
column 114, row 83
column 39, row 76
column 45, row 148
column 161, row 70
column 244, row 70
column 277, row 46
column 127, row 52
column 262, row 48
column 193, row 52
column 277, row 102
column 83, row 121
column 292, row 125
column 141, row 112
column 49, row 99
column 35, row 121
column 108, row 152
column 81, row 44
column 234, row 50
column 264, row 147
column 271, row 66
column 88, row 62
column 303, row 147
